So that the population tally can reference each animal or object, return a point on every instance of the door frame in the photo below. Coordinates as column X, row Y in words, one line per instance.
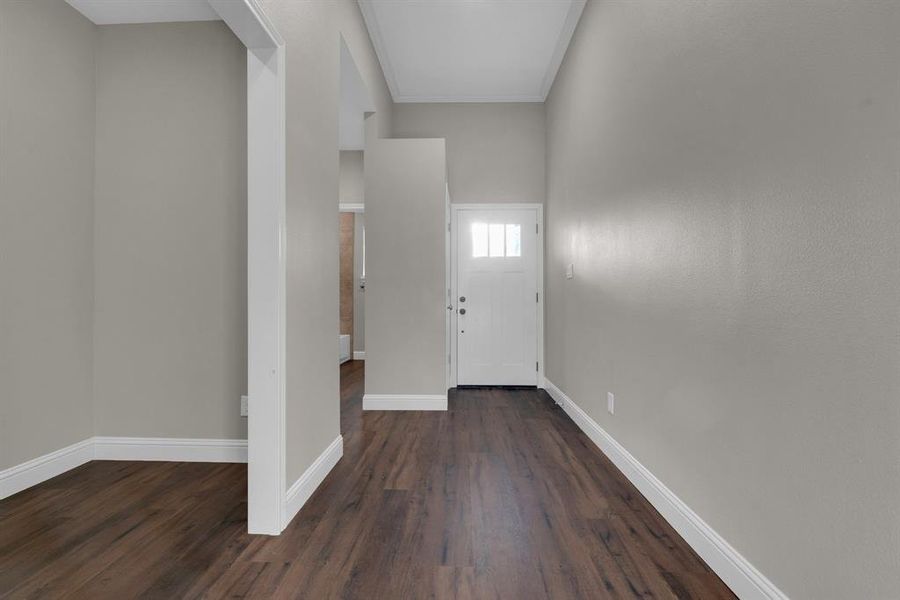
column 452, row 260
column 266, row 262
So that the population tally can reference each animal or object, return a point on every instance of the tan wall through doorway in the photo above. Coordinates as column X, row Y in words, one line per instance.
column 346, row 276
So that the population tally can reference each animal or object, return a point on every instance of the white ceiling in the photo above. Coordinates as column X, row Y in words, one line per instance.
column 111, row 12
column 470, row 50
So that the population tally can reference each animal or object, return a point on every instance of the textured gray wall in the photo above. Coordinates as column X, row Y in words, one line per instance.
column 46, row 228
column 724, row 177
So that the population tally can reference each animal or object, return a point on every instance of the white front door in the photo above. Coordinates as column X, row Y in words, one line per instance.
column 496, row 296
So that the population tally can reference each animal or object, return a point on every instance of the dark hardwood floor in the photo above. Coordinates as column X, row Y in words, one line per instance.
column 499, row 497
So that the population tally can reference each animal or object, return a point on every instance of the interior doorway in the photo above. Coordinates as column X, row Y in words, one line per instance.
column 352, row 278
column 496, row 292
column 356, row 105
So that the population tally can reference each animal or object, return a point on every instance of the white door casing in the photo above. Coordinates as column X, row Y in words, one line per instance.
column 496, row 286
column 266, row 262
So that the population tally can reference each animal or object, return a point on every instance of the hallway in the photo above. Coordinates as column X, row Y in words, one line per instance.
column 501, row 496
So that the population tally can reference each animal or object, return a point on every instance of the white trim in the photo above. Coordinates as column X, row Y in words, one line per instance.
column 266, row 261
column 266, row 285
column 404, row 402
column 455, row 208
column 170, row 449
column 275, row 40
column 359, row 355
column 120, row 12
column 304, row 487
column 351, row 207
column 562, row 44
column 541, row 293
column 371, row 20
column 448, row 285
column 479, row 99
column 735, row 570
column 248, row 22
column 40, row 469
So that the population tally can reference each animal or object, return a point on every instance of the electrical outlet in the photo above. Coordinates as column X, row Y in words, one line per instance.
column 570, row 271
column 244, row 407
column 611, row 403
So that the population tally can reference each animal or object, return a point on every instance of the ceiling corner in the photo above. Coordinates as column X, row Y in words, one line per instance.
column 375, row 36
column 562, row 45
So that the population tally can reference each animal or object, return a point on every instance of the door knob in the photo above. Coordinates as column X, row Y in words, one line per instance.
column 462, row 311
column 462, row 298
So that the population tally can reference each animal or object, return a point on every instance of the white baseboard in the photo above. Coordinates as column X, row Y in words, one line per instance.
column 40, row 469
column 359, row 355
column 404, row 402
column 735, row 570
column 170, row 449
column 304, row 487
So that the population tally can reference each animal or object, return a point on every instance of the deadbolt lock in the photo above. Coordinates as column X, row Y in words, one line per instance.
column 462, row 311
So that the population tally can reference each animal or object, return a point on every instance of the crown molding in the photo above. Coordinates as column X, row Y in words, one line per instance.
column 371, row 19
column 562, row 44
column 576, row 7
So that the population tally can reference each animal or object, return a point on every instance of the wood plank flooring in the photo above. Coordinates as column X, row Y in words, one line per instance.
column 499, row 497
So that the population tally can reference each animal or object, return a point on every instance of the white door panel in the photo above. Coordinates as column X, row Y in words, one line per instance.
column 496, row 304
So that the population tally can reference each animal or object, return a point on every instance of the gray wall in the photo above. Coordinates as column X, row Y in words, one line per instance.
column 405, row 302
column 171, row 231
column 312, row 32
column 495, row 151
column 46, row 227
column 724, row 177
column 350, row 188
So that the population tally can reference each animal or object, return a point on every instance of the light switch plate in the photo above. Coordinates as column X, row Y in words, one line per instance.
column 244, row 407
column 570, row 271
column 611, row 403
